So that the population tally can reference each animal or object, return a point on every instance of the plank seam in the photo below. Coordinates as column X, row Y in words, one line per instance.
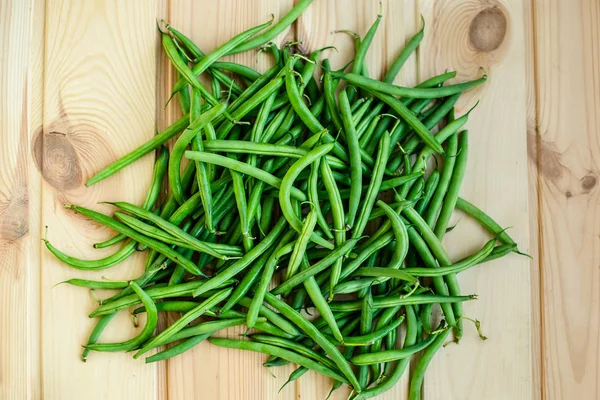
column 41, row 207
column 540, row 240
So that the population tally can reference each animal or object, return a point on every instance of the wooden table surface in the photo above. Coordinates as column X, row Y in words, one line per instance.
column 84, row 82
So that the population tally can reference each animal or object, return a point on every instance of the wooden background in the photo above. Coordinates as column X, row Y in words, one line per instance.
column 83, row 82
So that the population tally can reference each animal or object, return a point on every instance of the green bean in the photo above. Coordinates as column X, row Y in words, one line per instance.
column 145, row 333
column 315, row 268
column 151, row 243
column 278, row 150
column 403, row 111
column 274, row 30
column 329, row 91
column 260, row 122
column 386, row 184
column 374, row 185
column 243, row 262
column 313, row 197
column 96, row 284
column 501, row 251
column 337, row 212
column 156, row 292
column 265, row 280
column 296, row 374
column 95, row 334
column 244, row 108
column 355, row 160
column 368, row 338
column 365, row 135
column 301, row 109
column 379, row 212
column 485, row 220
column 446, row 107
column 181, row 144
column 428, row 191
column 267, row 217
column 243, row 168
column 247, row 282
column 276, row 318
column 445, row 214
column 93, row 265
column 272, row 329
column 459, row 266
column 387, row 272
column 283, row 119
column 440, row 191
column 171, row 306
column 141, row 151
column 390, row 380
column 202, row 328
column 254, row 88
column 393, row 355
column 299, row 249
column 361, row 52
column 178, row 349
column 306, row 326
column 415, row 299
column 314, row 292
column 242, row 207
column 239, row 69
column 160, row 168
column 148, row 230
column 295, row 346
column 279, row 352
column 399, row 61
column 419, row 372
column 214, row 249
column 286, row 187
column 188, row 317
column 424, row 252
column 187, row 75
column 365, row 326
column 413, row 93
column 384, row 319
column 219, row 52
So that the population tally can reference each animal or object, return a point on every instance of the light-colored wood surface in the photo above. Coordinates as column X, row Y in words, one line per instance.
column 564, row 151
column 84, row 82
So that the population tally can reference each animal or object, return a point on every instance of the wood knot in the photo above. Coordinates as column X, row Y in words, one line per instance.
column 488, row 29
column 56, row 158
column 14, row 219
column 588, row 182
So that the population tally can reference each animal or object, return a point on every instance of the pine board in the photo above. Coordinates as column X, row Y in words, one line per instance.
column 84, row 82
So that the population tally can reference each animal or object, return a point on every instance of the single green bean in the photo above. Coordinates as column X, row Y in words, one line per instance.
column 145, row 333
column 141, row 151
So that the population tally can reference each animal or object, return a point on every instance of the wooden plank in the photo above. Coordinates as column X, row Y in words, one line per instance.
column 465, row 36
column 536, row 326
column 99, row 103
column 316, row 29
column 567, row 156
column 19, row 252
column 207, row 370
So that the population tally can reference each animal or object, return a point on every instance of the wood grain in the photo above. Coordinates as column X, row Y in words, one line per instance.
column 465, row 36
column 19, row 198
column 534, row 243
column 567, row 153
column 98, row 104
column 84, row 83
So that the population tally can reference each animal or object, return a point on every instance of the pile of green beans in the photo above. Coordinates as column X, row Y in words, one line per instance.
column 288, row 192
